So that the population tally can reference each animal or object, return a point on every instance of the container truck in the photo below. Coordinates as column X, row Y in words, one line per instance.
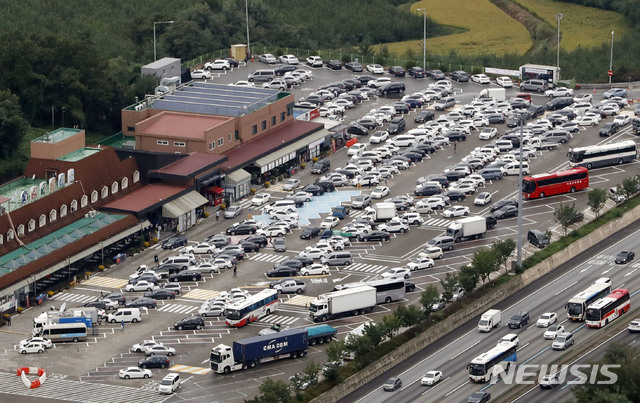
column 381, row 211
column 248, row 353
column 499, row 94
column 467, row 228
column 320, row 334
column 489, row 320
column 351, row 301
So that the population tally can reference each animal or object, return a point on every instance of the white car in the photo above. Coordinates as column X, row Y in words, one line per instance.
column 379, row 137
column 315, row 269
column 432, row 252
column 260, row 199
column 488, row 133
column 329, row 222
column 356, row 149
column 141, row 286
column 267, row 58
column 547, row 319
column 421, row 263
column 135, row 373
column 222, row 263
column 31, row 348
column 634, row 326
column 216, row 308
column 315, row 61
column 219, row 64
column 375, row 69
column 431, row 378
column 200, row 74
column 480, row 79
column 510, row 338
column 398, row 272
column 205, row 268
column 482, row 199
column 175, row 287
column 559, row 92
column 504, row 82
column 436, row 203
column 272, row 231
column 160, row 349
column 289, row 59
column 456, row 211
column 47, row 343
column 622, row 120
column 379, row 82
column 345, row 103
column 291, row 184
column 142, row 346
column 199, row 248
column 553, row 331
column 380, row 192
column 585, row 120
column 583, row 98
column 394, row 226
column 315, row 253
column 243, row 83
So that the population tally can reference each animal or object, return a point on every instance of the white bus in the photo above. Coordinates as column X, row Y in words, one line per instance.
column 65, row 332
column 244, row 312
column 482, row 368
column 387, row 289
column 603, row 155
column 577, row 306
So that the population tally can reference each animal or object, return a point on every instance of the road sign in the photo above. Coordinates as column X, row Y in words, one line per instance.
column 610, row 72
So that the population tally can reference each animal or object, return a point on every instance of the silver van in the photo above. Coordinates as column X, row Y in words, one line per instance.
column 559, row 136
column 442, row 242
column 340, row 258
column 513, row 168
column 182, row 261
column 262, row 75
column 169, row 383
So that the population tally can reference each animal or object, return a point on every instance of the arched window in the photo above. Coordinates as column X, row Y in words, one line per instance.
column 105, row 192
column 114, row 187
column 53, row 215
column 21, row 230
column 63, row 211
column 136, row 176
column 124, row 183
column 43, row 221
column 10, row 235
column 74, row 205
column 84, row 201
column 94, row 196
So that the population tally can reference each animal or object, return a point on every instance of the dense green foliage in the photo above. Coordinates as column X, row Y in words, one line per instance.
column 629, row 8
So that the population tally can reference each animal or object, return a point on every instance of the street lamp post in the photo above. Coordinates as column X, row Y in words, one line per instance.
column 519, row 239
column 611, row 59
column 154, row 36
column 246, row 11
column 424, row 40
column 558, row 19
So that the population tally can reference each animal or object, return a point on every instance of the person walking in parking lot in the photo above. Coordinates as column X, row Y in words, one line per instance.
column 122, row 323
column 455, row 146
column 235, row 271
column 218, row 215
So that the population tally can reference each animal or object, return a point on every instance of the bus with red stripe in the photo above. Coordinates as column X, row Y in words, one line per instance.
column 550, row 184
column 251, row 309
column 607, row 309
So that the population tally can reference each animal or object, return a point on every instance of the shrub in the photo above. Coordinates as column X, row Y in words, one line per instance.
column 50, row 293
column 253, row 191
column 303, row 165
column 223, row 206
column 146, row 243
column 101, row 267
column 314, row 159
column 280, row 178
column 19, row 310
column 206, row 215
column 267, row 184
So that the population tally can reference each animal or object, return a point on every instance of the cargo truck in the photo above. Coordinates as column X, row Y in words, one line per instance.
column 499, row 94
column 467, row 228
column 86, row 315
column 489, row 320
column 248, row 353
column 380, row 211
column 636, row 125
column 351, row 301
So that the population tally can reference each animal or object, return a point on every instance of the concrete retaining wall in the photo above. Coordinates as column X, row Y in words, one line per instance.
column 463, row 316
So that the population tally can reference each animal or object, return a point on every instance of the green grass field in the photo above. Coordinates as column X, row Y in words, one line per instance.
column 580, row 26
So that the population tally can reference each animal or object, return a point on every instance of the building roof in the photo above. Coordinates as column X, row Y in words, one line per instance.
column 146, row 197
column 192, row 164
column 158, row 64
column 180, row 125
column 268, row 143
column 57, row 135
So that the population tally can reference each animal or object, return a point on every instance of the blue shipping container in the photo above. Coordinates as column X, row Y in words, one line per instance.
column 271, row 345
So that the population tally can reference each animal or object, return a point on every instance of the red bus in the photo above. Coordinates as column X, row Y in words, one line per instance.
column 608, row 308
column 550, row 184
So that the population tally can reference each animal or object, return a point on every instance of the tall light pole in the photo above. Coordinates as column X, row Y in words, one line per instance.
column 558, row 19
column 611, row 59
column 519, row 239
column 246, row 11
column 424, row 40
column 154, row 36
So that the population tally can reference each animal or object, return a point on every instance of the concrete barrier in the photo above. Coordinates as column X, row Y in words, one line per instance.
column 461, row 317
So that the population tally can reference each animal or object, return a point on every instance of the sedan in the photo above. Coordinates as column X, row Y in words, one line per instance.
column 479, row 397
column 375, row 236
column 31, row 348
column 174, row 242
column 488, row 133
column 585, row 120
column 379, row 137
column 431, row 378
column 547, row 319
column 315, row 269
column 267, row 58
column 329, row 222
column 242, row 229
column 506, row 211
column 47, row 343
column 289, row 59
column 397, row 272
column 421, row 263
column 141, row 286
column 185, row 275
column 160, row 349
column 300, row 197
column 160, row 293
column 615, row 92
column 456, row 211
column 380, row 192
column 155, row 361
column 291, row 184
column 232, row 211
column 559, row 92
column 375, row 68
column 211, row 310
column 199, row 248
column 550, row 381
column 353, row 66
column 622, row 120
column 142, row 302
column 625, row 257
column 260, row 199
column 480, row 79
column 135, row 373
column 504, row 82
column 482, row 199
column 334, row 64
column 310, row 232
column 282, row 271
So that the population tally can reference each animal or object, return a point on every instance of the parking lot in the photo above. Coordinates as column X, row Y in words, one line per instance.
column 99, row 359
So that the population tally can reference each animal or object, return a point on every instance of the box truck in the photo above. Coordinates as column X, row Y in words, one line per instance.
column 467, row 228
column 351, row 301
column 499, row 94
column 381, row 211
column 247, row 353
column 489, row 320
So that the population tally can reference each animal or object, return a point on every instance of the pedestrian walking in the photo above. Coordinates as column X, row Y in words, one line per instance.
column 155, row 259
column 455, row 146
column 9, row 320
column 235, row 271
column 122, row 323
column 218, row 215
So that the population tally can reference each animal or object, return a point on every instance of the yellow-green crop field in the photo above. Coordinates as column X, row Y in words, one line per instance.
column 580, row 26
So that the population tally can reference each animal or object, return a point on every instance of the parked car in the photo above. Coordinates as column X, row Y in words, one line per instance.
column 191, row 322
column 174, row 242
column 155, row 361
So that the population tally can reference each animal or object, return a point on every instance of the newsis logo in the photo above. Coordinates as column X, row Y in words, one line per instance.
column 576, row 374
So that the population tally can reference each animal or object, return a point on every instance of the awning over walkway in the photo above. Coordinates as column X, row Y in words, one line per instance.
column 287, row 153
column 238, row 176
column 183, row 204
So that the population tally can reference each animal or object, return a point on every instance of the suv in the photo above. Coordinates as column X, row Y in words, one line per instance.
column 276, row 84
column 391, row 87
column 397, row 71
column 169, row 383
column 321, row 166
column 396, row 125
column 415, row 72
column 192, row 322
column 519, row 319
column 460, row 76
column 534, row 85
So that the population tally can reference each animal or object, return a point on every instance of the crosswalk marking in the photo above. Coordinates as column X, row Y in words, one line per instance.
column 201, row 294
column 71, row 297
column 299, row 300
column 436, row 222
column 109, row 282
column 370, row 268
column 177, row 308
column 191, row 370
column 282, row 320
column 268, row 257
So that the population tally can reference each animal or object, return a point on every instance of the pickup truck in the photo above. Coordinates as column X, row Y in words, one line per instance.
column 290, row 286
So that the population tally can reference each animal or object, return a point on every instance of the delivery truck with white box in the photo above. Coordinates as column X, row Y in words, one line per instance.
column 351, row 301
column 489, row 320
column 467, row 228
